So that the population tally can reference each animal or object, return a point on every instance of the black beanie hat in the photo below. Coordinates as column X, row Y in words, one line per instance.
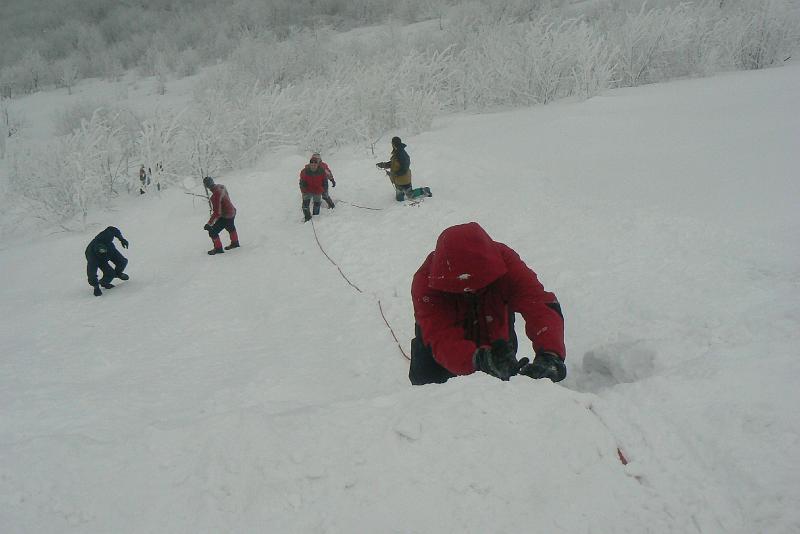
column 396, row 141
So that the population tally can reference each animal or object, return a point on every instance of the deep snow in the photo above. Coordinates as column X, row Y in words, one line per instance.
column 258, row 391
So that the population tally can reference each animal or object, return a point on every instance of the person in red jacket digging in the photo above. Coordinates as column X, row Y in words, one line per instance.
column 465, row 296
column 222, row 215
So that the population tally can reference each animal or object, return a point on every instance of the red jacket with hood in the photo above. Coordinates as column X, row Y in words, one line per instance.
column 464, row 290
column 312, row 181
column 221, row 205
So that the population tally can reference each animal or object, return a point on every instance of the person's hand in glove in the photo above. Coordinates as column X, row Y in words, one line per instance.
column 97, row 291
column 544, row 365
column 498, row 360
column 383, row 164
column 207, row 227
column 124, row 242
column 333, row 182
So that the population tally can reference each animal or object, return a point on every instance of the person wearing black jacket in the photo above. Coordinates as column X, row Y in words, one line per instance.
column 99, row 253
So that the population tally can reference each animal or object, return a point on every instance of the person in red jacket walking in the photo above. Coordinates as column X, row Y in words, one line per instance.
column 222, row 215
column 328, row 179
column 465, row 296
column 312, row 186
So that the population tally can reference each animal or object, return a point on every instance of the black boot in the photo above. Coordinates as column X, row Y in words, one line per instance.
column 123, row 276
column 215, row 251
column 107, row 285
column 234, row 244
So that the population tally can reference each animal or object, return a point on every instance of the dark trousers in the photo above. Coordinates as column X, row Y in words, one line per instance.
column 402, row 192
column 424, row 369
column 222, row 224
column 109, row 273
column 326, row 196
column 307, row 198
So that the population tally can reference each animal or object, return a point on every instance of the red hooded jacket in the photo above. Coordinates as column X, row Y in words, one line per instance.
column 221, row 205
column 464, row 290
column 328, row 172
column 312, row 182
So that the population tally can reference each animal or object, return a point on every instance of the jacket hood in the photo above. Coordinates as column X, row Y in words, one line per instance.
column 466, row 259
column 319, row 170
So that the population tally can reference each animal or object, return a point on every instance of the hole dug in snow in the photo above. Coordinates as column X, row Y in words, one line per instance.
column 615, row 363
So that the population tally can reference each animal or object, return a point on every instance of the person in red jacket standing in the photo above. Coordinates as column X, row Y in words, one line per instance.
column 465, row 296
column 328, row 179
column 222, row 215
column 312, row 186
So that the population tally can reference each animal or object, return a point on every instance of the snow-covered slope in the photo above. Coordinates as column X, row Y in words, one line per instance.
column 258, row 391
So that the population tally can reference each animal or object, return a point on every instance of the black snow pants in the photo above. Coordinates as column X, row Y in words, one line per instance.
column 93, row 262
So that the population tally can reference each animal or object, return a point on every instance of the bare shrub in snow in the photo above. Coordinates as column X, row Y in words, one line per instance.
column 66, row 73
column 12, row 123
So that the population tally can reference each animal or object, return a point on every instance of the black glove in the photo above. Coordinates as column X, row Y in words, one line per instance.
column 207, row 227
column 383, row 165
column 333, row 182
column 545, row 365
column 97, row 291
column 498, row 361
column 124, row 242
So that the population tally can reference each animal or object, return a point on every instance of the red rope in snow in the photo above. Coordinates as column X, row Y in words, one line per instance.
column 380, row 307
column 399, row 346
column 357, row 206
column 622, row 458
column 330, row 260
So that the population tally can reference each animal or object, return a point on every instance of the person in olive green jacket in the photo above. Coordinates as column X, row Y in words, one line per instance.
column 399, row 170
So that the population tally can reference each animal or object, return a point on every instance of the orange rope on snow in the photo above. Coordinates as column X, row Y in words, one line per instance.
column 399, row 346
column 330, row 260
column 380, row 307
column 359, row 206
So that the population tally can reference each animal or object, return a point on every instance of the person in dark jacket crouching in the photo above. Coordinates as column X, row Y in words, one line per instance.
column 99, row 253
column 465, row 296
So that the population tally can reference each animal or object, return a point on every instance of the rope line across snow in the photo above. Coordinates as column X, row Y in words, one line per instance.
column 399, row 346
column 330, row 260
column 359, row 206
column 380, row 307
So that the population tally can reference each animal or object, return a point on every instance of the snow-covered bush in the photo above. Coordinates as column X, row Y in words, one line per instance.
column 592, row 61
column 76, row 172
column 647, row 40
column 70, row 119
column 758, row 34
